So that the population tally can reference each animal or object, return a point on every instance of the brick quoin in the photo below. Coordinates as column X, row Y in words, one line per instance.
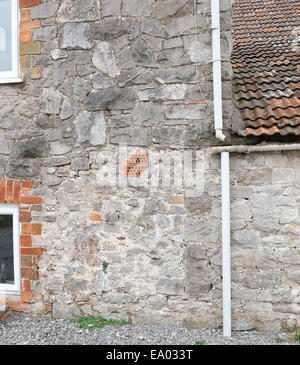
column 21, row 193
column 31, row 228
column 31, row 199
column 27, row 46
column 28, row 3
column 25, row 241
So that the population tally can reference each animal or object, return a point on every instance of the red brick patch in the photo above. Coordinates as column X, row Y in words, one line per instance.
column 17, row 305
column 96, row 217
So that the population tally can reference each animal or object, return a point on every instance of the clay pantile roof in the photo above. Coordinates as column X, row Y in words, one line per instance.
column 266, row 66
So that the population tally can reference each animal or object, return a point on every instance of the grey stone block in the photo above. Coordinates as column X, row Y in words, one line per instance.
column 51, row 101
column 137, row 7
column 240, row 325
column 165, row 9
column 80, row 164
column 156, row 301
column 51, row 180
column 104, row 59
column 172, row 136
column 101, row 81
column 246, row 238
column 68, row 109
column 59, row 148
column 57, row 54
column 63, row 311
column 43, row 11
column 197, row 278
column 78, row 11
column 130, row 136
column 44, row 34
column 91, row 127
column 189, row 111
column 32, row 148
column 14, row 122
column 59, row 72
column 167, row 92
column 148, row 114
column 169, row 287
column 5, row 145
column 114, row 98
column 75, row 36
column 111, row 28
column 135, row 76
column 23, row 168
column 153, row 28
column 110, row 8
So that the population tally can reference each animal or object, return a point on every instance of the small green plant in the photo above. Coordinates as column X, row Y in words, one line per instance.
column 91, row 323
column 200, row 342
column 104, row 267
column 160, row 340
column 295, row 330
column 296, row 335
column 278, row 340
column 75, row 343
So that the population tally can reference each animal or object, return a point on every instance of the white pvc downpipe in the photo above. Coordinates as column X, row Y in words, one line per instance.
column 217, row 73
column 226, row 268
column 218, row 120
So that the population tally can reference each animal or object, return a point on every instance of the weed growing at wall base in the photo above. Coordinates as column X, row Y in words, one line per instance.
column 91, row 323
column 296, row 335
column 200, row 342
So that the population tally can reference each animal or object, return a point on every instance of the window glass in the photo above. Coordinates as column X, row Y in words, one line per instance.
column 5, row 36
column 6, row 250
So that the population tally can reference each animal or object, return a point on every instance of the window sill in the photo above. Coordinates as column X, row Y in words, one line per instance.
column 9, row 291
column 14, row 80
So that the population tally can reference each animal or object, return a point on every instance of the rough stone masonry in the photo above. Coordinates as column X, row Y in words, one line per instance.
column 102, row 74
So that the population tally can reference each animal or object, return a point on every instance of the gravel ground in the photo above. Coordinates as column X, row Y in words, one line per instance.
column 42, row 330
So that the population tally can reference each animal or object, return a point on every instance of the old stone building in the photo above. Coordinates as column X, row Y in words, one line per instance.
column 105, row 147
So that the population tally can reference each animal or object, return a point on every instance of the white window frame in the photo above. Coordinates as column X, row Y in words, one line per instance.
column 13, row 75
column 12, row 209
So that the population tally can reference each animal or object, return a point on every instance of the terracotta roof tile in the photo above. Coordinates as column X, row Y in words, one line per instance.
column 266, row 65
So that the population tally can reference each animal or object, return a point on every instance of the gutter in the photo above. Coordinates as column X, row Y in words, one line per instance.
column 217, row 73
column 257, row 148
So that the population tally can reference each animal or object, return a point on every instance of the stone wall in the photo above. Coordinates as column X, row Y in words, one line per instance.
column 103, row 80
